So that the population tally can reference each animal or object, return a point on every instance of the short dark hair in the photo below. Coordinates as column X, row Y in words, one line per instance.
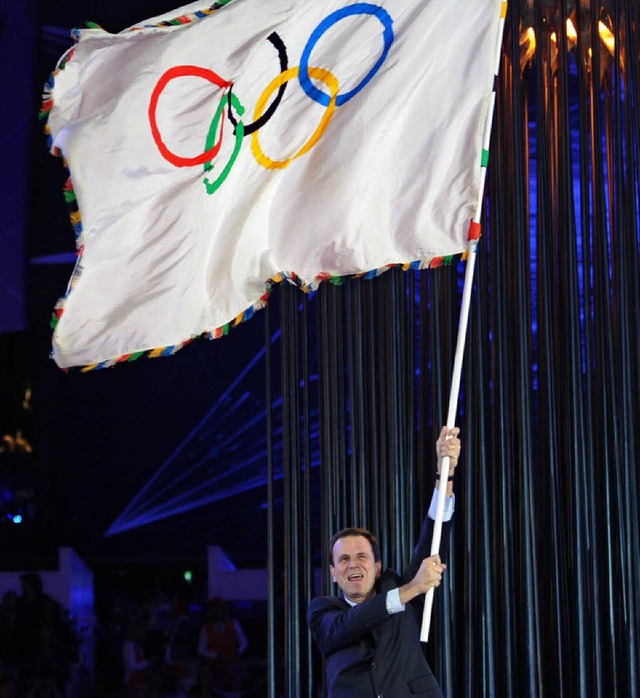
column 346, row 532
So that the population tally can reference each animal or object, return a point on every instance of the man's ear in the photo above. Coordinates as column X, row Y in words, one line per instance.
column 378, row 568
column 332, row 569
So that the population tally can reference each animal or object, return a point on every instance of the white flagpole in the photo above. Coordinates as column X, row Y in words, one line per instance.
column 453, row 401
column 462, row 334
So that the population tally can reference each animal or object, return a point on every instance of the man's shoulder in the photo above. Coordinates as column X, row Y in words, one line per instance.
column 322, row 604
column 318, row 602
column 388, row 579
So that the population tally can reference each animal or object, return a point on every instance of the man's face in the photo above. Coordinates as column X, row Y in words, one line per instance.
column 354, row 569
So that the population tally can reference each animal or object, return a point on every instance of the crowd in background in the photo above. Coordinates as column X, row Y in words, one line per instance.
column 184, row 650
column 37, row 643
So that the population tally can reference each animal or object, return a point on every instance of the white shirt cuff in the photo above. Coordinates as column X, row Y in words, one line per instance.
column 449, row 506
column 393, row 601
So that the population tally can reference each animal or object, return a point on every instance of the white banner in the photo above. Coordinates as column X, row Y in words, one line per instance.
column 213, row 151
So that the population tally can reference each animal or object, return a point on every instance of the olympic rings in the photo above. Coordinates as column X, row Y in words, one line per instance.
column 320, row 74
column 278, row 44
column 180, row 71
column 303, row 72
column 356, row 9
column 239, row 132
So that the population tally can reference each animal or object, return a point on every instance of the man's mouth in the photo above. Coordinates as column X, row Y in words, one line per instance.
column 355, row 577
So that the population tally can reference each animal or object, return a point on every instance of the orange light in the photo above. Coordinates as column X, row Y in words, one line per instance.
column 607, row 37
column 527, row 46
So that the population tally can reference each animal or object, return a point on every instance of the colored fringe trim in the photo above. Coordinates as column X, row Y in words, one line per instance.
column 475, row 230
column 190, row 16
column 223, row 331
column 47, row 98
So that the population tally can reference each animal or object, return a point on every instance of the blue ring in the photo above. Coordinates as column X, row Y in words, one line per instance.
column 359, row 8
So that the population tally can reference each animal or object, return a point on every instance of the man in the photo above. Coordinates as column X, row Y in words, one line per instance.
column 369, row 636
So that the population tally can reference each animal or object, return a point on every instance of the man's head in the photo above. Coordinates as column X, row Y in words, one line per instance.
column 355, row 562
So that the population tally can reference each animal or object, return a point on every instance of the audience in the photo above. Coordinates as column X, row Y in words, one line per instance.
column 180, row 648
column 10, row 641
column 167, row 653
column 135, row 662
column 222, row 642
column 37, row 646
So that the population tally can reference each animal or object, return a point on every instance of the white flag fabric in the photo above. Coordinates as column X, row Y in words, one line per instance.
column 218, row 149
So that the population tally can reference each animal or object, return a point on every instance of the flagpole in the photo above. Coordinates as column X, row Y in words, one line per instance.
column 453, row 401
column 474, row 234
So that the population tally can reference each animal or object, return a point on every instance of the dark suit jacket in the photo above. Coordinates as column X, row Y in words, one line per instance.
column 367, row 651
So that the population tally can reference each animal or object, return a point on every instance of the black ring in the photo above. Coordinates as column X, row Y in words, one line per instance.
column 278, row 44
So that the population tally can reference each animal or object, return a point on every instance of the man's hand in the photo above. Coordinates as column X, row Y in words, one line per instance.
column 428, row 575
column 448, row 444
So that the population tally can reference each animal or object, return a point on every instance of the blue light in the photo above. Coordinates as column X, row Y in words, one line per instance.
column 17, row 519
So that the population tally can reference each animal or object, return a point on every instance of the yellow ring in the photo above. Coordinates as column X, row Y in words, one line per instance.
column 320, row 74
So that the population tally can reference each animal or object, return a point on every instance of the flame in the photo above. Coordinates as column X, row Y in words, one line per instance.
column 528, row 41
column 607, row 37
column 527, row 46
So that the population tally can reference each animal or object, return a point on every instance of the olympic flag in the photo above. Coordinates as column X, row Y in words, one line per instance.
column 218, row 149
